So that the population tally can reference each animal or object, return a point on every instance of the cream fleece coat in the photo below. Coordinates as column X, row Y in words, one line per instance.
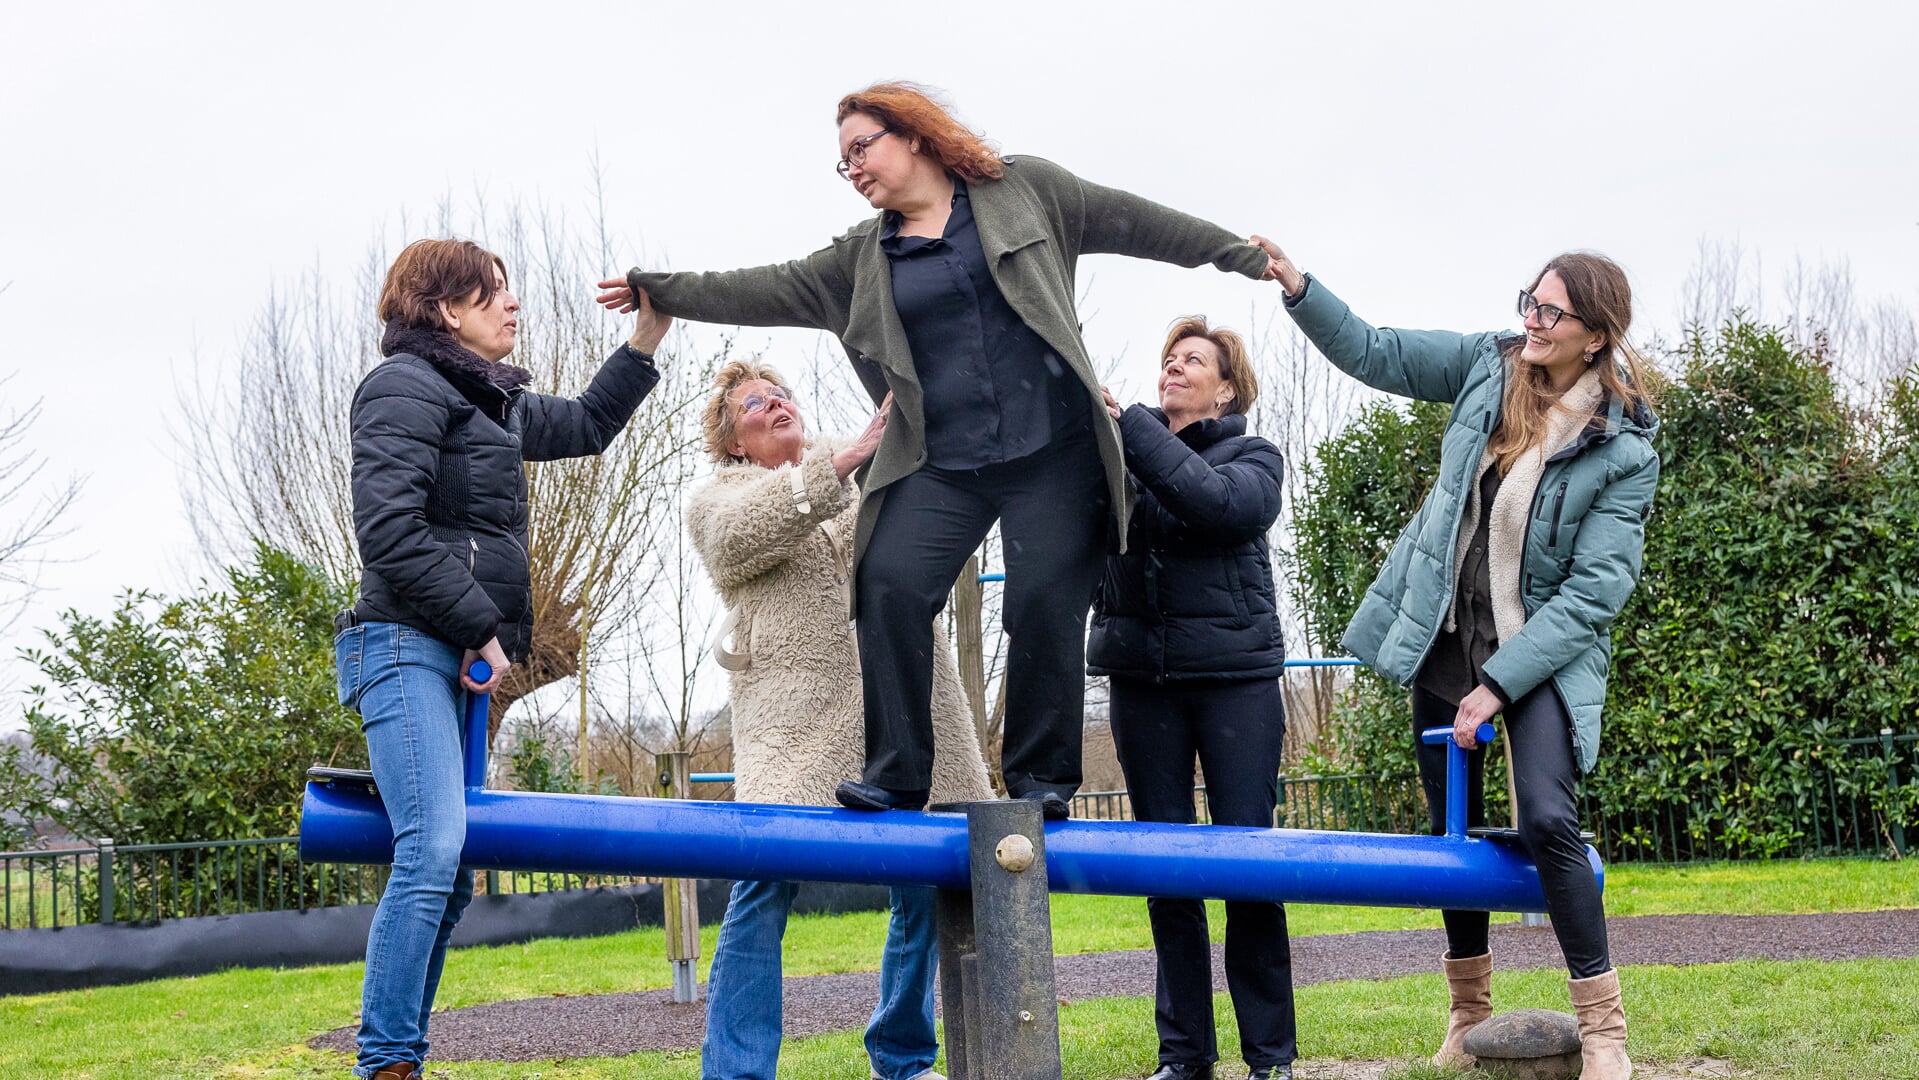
column 779, row 552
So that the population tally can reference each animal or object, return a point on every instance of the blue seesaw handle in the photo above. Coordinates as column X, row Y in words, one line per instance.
column 1456, row 772
column 476, row 705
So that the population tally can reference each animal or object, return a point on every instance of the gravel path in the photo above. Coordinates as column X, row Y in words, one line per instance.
column 612, row 1025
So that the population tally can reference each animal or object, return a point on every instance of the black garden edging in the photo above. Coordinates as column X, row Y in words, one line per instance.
column 73, row 957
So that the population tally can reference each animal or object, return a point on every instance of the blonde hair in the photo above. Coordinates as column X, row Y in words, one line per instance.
column 716, row 420
column 1235, row 366
column 1600, row 295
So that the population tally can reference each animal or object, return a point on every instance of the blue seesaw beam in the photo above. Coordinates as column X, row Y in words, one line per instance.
column 344, row 822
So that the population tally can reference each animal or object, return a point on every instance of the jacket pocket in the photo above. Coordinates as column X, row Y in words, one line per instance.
column 349, row 648
column 1559, row 507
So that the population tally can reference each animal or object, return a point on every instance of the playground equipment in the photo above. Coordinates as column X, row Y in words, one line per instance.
column 994, row 864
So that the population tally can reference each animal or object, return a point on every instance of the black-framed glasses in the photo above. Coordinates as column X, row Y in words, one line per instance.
column 856, row 153
column 1548, row 314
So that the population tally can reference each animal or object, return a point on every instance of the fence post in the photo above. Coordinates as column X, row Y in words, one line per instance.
column 107, row 890
column 680, row 896
column 1899, row 848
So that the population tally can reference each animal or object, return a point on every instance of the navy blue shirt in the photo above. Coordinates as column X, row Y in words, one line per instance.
column 994, row 391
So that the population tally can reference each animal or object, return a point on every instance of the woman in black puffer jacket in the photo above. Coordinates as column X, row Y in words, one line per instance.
column 1186, row 627
column 441, row 432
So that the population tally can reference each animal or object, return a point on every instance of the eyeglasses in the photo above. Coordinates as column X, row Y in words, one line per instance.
column 1548, row 314
column 753, row 403
column 856, row 153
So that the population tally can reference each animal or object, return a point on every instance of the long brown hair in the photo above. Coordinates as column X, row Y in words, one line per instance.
column 914, row 112
column 1597, row 289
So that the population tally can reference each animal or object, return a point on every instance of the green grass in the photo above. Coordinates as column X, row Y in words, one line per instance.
column 1817, row 1019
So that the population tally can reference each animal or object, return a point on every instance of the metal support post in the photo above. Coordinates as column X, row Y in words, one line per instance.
column 108, row 894
column 1007, row 1008
column 1899, row 848
column 680, row 896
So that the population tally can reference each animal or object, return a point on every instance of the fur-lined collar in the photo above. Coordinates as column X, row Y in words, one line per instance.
column 467, row 370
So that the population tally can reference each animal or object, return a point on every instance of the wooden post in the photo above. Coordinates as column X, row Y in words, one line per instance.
column 681, row 896
column 968, row 603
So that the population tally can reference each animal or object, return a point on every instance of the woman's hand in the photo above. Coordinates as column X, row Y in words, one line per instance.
column 862, row 449
column 1479, row 707
column 618, row 295
column 495, row 658
column 649, row 329
column 1279, row 268
column 1112, row 406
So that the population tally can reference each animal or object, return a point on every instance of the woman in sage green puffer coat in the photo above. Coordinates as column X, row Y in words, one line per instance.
column 1499, row 595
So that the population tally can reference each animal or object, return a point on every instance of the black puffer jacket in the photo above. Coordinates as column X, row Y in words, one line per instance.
column 1192, row 598
column 439, row 486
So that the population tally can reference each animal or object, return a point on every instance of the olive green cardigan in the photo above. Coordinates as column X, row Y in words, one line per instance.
column 1034, row 224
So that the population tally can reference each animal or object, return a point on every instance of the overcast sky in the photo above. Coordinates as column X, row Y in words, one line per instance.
column 162, row 166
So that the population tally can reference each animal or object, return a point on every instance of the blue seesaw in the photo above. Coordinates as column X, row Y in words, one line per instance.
column 994, row 863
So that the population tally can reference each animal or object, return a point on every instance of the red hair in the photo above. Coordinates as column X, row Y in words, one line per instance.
column 911, row 110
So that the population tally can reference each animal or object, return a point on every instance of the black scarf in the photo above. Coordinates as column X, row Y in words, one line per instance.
column 483, row 381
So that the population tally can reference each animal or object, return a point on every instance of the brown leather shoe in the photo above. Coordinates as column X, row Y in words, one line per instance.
column 399, row 1070
column 1470, row 982
column 1602, row 1027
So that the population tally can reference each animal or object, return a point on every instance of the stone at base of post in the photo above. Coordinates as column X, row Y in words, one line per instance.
column 1527, row 1044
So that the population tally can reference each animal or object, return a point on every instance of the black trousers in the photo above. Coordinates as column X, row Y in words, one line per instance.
column 1234, row 728
column 1052, row 512
column 1543, row 780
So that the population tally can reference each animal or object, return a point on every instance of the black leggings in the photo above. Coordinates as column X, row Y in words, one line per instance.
column 1543, row 779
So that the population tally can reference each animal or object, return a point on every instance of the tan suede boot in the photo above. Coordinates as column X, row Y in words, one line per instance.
column 1470, row 981
column 399, row 1070
column 1602, row 1027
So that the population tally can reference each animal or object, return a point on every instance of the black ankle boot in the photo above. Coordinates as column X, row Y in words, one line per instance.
column 1052, row 806
column 857, row 796
column 1270, row 1072
column 1176, row 1071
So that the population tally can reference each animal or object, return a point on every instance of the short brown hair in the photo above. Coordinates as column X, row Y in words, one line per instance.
column 1235, row 366
column 716, row 420
column 429, row 271
column 915, row 112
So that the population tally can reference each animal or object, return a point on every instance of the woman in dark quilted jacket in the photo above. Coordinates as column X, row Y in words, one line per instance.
column 1186, row 628
column 441, row 431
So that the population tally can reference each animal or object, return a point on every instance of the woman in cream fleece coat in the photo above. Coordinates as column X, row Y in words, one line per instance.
column 774, row 527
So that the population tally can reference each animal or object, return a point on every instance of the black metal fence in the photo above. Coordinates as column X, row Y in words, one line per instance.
column 148, row 882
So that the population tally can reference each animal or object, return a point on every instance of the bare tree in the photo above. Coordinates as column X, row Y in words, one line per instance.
column 29, row 514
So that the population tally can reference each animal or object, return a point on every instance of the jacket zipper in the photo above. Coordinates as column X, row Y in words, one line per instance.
column 472, row 553
column 1559, row 503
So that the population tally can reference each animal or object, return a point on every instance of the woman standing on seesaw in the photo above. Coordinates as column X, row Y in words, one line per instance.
column 958, row 299
column 1499, row 597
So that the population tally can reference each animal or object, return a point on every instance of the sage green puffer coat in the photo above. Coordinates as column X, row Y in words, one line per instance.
column 1583, row 545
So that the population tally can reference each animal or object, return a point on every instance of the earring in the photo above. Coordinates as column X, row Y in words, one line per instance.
column 1591, row 356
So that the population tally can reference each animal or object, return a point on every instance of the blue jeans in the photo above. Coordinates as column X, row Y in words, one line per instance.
column 405, row 685
column 743, row 996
